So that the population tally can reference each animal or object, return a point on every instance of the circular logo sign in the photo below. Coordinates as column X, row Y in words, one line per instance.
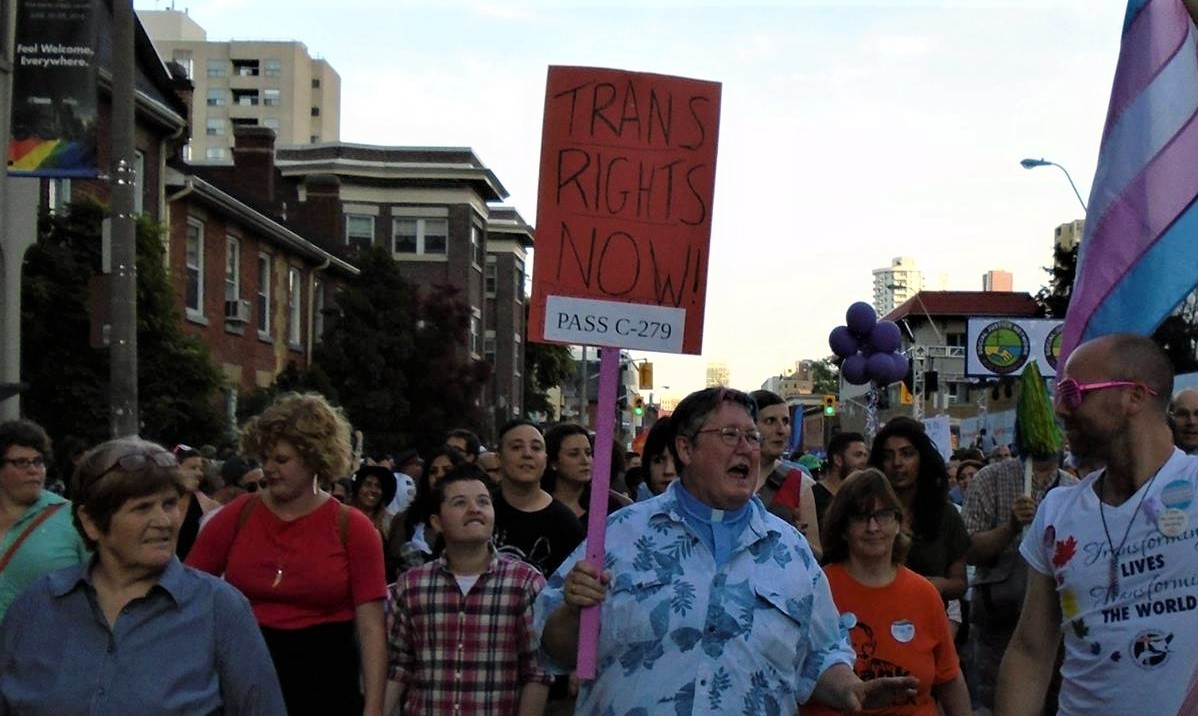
column 1052, row 346
column 1002, row 347
column 1151, row 648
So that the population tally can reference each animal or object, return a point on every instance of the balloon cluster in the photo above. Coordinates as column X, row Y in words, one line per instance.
column 868, row 348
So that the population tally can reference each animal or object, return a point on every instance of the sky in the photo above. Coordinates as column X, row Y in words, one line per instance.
column 851, row 132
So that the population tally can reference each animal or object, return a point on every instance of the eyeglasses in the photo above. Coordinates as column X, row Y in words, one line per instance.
column 138, row 461
column 732, row 436
column 24, row 463
column 884, row 518
column 1071, row 393
column 254, row 485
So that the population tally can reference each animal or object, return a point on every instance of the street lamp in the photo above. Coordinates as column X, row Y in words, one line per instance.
column 1033, row 163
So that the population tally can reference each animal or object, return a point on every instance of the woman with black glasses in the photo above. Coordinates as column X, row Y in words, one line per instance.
column 133, row 631
column 894, row 617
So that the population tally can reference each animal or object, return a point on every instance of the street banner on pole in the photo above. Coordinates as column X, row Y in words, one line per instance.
column 1137, row 260
column 624, row 209
column 623, row 236
column 54, row 115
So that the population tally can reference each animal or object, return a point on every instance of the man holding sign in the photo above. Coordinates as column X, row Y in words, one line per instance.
column 709, row 602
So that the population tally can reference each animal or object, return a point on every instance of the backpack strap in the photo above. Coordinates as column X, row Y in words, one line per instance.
column 12, row 549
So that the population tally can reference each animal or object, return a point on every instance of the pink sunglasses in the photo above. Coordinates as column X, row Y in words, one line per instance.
column 1070, row 393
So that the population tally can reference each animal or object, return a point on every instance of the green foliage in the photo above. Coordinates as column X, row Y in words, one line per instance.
column 546, row 366
column 395, row 358
column 825, row 377
column 1054, row 297
column 178, row 384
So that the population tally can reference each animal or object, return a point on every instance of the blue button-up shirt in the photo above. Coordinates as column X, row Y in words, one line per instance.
column 680, row 635
column 189, row 647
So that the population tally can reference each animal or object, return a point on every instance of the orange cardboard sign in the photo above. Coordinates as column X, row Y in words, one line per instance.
column 624, row 209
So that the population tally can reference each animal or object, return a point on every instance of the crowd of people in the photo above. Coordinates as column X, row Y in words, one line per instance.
column 293, row 579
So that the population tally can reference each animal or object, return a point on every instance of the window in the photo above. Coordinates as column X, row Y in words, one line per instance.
column 359, row 231
column 245, row 98
column 271, row 98
column 476, row 320
column 215, row 127
column 184, row 59
column 315, row 112
column 317, row 310
column 59, row 194
column 193, row 292
column 232, row 269
column 216, row 97
column 272, row 68
column 294, row 301
column 519, row 278
column 489, row 277
column 489, row 347
column 264, row 280
column 216, row 68
column 316, row 83
column 271, row 122
column 517, row 364
column 955, row 339
column 245, row 68
column 476, row 245
column 314, row 139
column 243, row 122
column 420, row 236
column 215, row 154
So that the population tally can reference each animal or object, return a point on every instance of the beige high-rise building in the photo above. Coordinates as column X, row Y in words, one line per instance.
column 998, row 281
column 896, row 283
column 718, row 374
column 1069, row 235
column 274, row 84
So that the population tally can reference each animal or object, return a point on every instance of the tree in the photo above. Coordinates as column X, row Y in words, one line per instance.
column 825, row 377
column 178, row 383
column 1054, row 297
column 546, row 366
column 395, row 358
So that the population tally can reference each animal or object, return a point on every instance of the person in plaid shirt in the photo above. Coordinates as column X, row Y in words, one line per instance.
column 460, row 628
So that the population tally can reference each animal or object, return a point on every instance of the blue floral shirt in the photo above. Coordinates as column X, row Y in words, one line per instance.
column 681, row 636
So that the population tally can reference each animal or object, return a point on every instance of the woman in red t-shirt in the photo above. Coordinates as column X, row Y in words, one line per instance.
column 894, row 617
column 311, row 567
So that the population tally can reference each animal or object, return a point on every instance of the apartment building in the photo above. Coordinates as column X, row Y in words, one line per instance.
column 275, row 84
column 432, row 208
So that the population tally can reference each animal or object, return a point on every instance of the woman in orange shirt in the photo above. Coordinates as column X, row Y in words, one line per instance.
column 894, row 617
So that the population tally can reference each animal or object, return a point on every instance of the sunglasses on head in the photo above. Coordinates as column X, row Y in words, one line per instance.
column 138, row 461
column 1071, row 393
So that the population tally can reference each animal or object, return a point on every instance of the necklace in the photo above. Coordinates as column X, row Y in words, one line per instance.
column 1112, row 589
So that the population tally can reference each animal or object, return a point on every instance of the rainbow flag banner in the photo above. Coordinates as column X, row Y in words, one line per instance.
column 1139, row 256
column 54, row 113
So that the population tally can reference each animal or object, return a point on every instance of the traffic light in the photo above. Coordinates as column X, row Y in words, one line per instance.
column 830, row 405
column 644, row 376
column 638, row 408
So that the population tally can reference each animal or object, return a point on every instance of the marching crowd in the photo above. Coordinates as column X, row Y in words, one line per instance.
column 287, row 581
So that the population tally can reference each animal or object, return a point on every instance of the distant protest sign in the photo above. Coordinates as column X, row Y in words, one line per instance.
column 54, row 114
column 624, row 209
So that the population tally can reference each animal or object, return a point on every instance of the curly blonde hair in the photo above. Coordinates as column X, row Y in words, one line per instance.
column 318, row 431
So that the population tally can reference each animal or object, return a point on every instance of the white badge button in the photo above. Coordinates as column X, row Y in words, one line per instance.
column 902, row 630
column 1172, row 522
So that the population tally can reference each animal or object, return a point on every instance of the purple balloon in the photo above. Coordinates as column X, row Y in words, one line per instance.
column 853, row 369
column 842, row 342
column 885, row 337
column 861, row 318
column 879, row 367
column 898, row 367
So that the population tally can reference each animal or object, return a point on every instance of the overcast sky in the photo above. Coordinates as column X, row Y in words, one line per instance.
column 851, row 132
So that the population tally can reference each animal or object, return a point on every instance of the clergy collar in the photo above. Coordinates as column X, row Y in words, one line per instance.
column 692, row 507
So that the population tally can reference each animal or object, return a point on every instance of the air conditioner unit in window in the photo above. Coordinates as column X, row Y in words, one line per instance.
column 237, row 311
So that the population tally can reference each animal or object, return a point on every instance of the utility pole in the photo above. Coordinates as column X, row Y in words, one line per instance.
column 123, row 337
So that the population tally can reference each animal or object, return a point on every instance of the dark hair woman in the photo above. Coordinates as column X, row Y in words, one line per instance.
column 568, row 471
column 916, row 471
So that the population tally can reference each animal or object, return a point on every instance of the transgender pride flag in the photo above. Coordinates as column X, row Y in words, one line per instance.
column 1139, row 257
